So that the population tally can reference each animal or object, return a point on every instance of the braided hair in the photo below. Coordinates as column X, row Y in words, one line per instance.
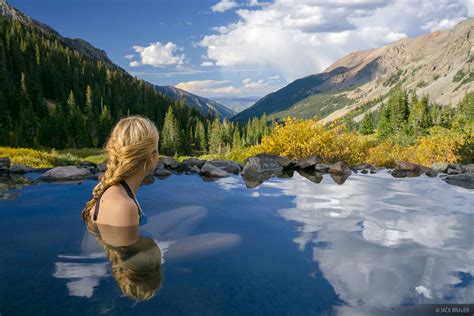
column 129, row 147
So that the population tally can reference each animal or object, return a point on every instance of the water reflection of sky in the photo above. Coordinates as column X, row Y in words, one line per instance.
column 384, row 242
column 289, row 246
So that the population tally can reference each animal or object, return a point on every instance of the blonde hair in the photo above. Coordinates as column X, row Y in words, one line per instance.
column 129, row 146
column 139, row 277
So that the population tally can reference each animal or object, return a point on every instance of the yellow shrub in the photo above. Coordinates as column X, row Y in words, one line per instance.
column 297, row 139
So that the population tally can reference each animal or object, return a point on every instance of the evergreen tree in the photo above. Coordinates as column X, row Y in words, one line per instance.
column 384, row 127
column 367, row 124
column 105, row 126
column 200, row 136
column 216, row 144
column 170, row 135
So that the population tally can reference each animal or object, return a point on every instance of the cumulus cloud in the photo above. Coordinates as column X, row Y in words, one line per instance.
column 159, row 55
column 301, row 37
column 207, row 64
column 224, row 5
column 131, row 56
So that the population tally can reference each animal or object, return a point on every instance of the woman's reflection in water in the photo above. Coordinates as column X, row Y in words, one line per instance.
column 135, row 261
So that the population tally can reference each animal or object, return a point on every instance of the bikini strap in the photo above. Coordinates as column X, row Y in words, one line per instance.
column 132, row 196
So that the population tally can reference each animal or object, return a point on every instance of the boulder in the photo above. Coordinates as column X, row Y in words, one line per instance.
column 189, row 163
column 339, row 178
column 440, row 166
column 210, row 171
column 321, row 167
column 365, row 168
column 4, row 164
column 400, row 173
column 465, row 180
column 66, row 173
column 20, row 168
column 149, row 179
column 469, row 167
column 455, row 169
column 162, row 173
column 227, row 165
column 339, row 168
column 102, row 167
column 194, row 169
column 309, row 162
column 262, row 167
column 408, row 166
column 168, row 163
column 312, row 176
column 89, row 165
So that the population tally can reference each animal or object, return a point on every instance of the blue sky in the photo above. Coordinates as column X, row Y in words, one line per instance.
column 239, row 48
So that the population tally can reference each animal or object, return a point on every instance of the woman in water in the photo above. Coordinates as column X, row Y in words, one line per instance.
column 132, row 154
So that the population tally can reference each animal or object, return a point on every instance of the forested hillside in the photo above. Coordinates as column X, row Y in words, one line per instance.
column 52, row 95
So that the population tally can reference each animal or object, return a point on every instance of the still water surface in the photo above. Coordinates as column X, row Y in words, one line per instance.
column 288, row 247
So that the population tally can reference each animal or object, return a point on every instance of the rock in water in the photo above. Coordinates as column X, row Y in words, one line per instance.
column 211, row 171
column 440, row 166
column 321, row 167
column 309, row 162
column 169, row 163
column 4, row 164
column 465, row 180
column 340, row 168
column 262, row 167
column 20, row 168
column 66, row 173
column 193, row 162
column 227, row 165
column 162, row 173
column 315, row 177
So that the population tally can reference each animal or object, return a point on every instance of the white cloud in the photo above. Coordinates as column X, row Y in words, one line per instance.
column 159, row 55
column 224, row 5
column 131, row 56
column 301, row 37
column 207, row 64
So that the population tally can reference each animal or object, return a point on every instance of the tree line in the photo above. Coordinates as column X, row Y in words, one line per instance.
column 408, row 115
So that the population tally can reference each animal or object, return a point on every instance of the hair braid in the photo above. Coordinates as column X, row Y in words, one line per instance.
column 129, row 146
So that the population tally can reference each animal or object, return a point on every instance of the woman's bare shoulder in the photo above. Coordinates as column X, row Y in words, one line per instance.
column 117, row 208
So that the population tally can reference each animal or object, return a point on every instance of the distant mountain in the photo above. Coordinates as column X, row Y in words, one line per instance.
column 440, row 64
column 204, row 105
column 237, row 103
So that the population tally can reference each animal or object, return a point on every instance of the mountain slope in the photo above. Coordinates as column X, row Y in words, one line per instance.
column 439, row 64
column 204, row 105
column 57, row 92
column 84, row 47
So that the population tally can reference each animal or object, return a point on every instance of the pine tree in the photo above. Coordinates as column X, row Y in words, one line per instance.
column 200, row 136
column 216, row 144
column 384, row 127
column 367, row 124
column 170, row 135
column 105, row 126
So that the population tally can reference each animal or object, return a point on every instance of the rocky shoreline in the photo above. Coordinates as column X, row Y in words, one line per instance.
column 254, row 171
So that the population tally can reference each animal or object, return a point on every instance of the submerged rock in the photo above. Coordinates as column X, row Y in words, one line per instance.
column 20, row 168
column 307, row 163
column 340, row 168
column 210, row 171
column 66, row 173
column 365, row 168
column 400, row 173
column 227, row 165
column 102, row 167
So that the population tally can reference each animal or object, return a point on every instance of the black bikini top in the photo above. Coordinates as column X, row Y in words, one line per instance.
column 130, row 194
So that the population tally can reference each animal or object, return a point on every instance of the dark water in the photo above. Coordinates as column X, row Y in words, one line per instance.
column 288, row 247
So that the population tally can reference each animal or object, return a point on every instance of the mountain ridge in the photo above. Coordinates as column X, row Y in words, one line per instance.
column 429, row 63
column 204, row 105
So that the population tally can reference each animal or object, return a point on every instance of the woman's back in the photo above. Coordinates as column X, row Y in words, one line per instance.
column 115, row 207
